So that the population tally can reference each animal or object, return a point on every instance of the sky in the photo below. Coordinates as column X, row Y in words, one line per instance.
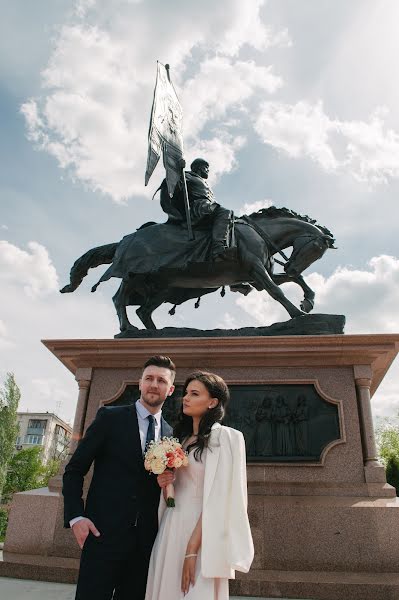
column 293, row 103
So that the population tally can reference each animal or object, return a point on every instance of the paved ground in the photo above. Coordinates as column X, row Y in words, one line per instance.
column 24, row 589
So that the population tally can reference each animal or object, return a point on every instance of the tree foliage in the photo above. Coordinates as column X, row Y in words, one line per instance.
column 25, row 472
column 9, row 400
column 3, row 523
column 49, row 470
column 388, row 447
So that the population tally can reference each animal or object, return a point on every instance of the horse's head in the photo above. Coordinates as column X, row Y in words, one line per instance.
column 306, row 249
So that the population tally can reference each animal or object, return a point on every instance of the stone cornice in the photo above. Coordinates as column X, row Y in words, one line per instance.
column 375, row 350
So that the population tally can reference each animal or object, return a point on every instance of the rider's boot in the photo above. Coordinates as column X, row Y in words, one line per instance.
column 220, row 234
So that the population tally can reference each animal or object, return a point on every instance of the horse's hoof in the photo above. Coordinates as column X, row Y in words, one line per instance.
column 306, row 306
column 67, row 289
column 128, row 328
column 300, row 313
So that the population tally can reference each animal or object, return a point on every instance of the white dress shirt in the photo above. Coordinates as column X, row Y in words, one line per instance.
column 142, row 414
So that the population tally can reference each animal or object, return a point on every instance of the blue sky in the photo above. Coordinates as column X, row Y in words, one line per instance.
column 293, row 104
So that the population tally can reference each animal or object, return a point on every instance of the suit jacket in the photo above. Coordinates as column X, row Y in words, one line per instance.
column 226, row 535
column 121, row 492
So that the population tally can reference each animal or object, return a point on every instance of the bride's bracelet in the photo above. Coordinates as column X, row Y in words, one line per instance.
column 190, row 555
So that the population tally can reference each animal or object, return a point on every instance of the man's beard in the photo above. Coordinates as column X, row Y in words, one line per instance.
column 152, row 401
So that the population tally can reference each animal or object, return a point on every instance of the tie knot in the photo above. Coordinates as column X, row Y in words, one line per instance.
column 151, row 419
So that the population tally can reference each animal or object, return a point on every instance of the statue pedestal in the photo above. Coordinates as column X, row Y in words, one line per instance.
column 323, row 518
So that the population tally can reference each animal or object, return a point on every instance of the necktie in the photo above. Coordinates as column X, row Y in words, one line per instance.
column 150, row 431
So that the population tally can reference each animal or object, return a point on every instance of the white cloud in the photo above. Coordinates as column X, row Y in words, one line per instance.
column 49, row 395
column 249, row 29
column 228, row 321
column 251, row 207
column 368, row 297
column 97, row 87
column 222, row 84
column 32, row 270
column 369, row 151
column 4, row 337
column 26, row 320
column 220, row 151
column 300, row 129
column 4, row 227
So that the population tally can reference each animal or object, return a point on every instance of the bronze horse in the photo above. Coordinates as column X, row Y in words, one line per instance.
column 157, row 264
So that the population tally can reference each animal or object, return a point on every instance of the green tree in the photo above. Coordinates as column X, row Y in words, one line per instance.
column 392, row 471
column 25, row 472
column 388, row 448
column 3, row 523
column 50, row 469
column 9, row 400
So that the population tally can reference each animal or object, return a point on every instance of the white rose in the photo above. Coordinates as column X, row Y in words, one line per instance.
column 158, row 466
column 158, row 452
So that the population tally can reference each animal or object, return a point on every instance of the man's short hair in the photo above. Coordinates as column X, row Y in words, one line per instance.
column 161, row 361
column 198, row 162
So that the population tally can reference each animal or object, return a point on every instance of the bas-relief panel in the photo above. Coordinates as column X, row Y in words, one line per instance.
column 280, row 422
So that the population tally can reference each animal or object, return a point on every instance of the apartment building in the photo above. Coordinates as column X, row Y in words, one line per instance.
column 45, row 430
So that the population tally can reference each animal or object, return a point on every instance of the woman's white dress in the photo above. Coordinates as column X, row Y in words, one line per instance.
column 176, row 527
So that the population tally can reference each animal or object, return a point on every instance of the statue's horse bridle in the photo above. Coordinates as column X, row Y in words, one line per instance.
column 322, row 239
column 311, row 238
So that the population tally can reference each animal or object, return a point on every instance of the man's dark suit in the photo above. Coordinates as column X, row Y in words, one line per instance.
column 122, row 502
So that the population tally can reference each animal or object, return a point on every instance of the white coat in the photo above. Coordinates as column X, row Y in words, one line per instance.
column 227, row 543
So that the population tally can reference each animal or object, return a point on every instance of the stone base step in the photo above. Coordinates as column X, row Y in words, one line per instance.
column 40, row 568
column 258, row 584
column 316, row 585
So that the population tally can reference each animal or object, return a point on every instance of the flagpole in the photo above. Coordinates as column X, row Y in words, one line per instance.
column 187, row 207
column 185, row 193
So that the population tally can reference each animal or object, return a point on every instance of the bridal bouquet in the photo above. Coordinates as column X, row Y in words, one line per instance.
column 167, row 453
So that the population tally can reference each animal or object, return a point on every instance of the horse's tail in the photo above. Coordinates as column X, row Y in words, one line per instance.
column 102, row 255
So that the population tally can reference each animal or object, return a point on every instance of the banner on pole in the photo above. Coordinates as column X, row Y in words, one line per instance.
column 165, row 133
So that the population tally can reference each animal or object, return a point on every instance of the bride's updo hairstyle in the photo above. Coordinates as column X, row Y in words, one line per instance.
column 218, row 389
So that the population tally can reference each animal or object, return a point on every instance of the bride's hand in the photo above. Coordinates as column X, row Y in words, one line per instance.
column 188, row 573
column 165, row 478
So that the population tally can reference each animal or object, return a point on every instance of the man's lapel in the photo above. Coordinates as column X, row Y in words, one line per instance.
column 166, row 430
column 212, row 459
column 133, row 434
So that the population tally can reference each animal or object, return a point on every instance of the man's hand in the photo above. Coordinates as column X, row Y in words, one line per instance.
column 165, row 478
column 81, row 530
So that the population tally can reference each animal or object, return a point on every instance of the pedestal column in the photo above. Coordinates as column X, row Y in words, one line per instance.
column 83, row 377
column 374, row 471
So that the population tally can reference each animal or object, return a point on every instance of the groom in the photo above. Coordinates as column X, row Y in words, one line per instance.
column 117, row 526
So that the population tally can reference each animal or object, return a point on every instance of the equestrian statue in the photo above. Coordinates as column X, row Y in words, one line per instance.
column 201, row 247
column 158, row 264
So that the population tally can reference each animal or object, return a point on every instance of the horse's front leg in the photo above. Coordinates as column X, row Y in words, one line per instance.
column 263, row 279
column 307, row 303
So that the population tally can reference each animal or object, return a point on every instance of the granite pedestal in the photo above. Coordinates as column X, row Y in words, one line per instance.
column 324, row 529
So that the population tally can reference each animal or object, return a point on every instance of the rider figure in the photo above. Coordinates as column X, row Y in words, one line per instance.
column 203, row 207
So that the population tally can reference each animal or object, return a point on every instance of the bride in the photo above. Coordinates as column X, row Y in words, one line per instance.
column 206, row 537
